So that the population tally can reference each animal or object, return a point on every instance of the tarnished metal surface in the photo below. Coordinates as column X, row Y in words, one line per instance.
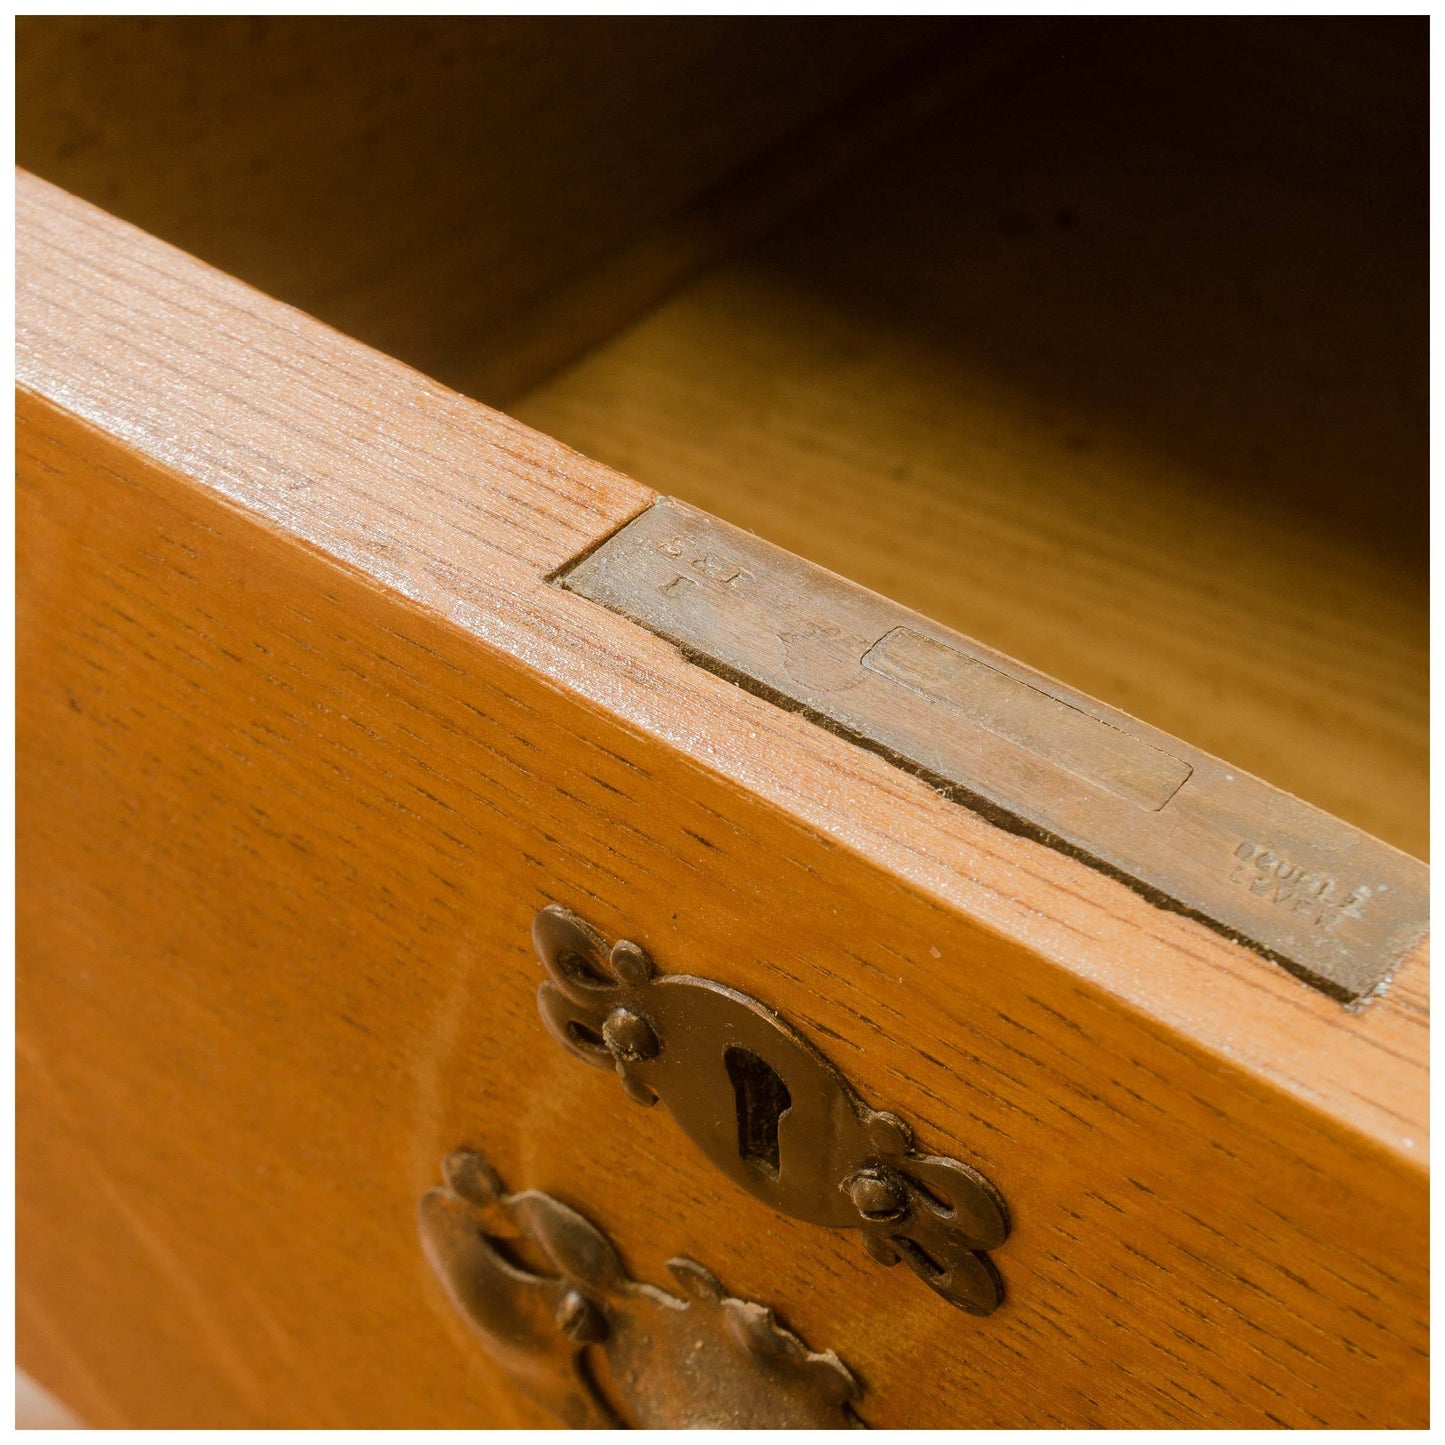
column 1327, row 901
column 704, row 1360
column 769, row 1110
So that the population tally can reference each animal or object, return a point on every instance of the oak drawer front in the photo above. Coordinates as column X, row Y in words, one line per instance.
column 969, row 1051
column 308, row 739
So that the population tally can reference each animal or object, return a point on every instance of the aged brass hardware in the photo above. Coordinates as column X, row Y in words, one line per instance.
column 1331, row 904
column 768, row 1109
column 599, row 1349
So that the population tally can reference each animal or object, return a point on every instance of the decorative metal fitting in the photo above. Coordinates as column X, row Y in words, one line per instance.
column 706, row 1360
column 768, row 1109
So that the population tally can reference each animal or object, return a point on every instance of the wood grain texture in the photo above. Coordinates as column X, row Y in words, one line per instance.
column 1123, row 399
column 305, row 739
column 417, row 180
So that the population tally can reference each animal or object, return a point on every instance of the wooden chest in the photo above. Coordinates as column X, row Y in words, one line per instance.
column 384, row 759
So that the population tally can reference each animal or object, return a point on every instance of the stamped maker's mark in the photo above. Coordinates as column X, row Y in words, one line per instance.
column 707, row 564
column 1319, row 899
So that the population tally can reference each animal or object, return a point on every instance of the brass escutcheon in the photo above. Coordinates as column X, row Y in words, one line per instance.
column 768, row 1109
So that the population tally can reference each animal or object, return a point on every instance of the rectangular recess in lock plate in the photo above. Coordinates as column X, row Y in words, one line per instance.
column 1098, row 751
column 1325, row 900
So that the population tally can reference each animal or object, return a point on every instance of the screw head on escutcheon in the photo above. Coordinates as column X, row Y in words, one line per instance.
column 629, row 1036
column 878, row 1195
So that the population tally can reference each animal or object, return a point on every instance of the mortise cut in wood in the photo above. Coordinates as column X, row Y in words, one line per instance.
column 1330, row 903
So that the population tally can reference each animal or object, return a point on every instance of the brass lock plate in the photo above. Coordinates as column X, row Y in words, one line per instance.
column 1331, row 904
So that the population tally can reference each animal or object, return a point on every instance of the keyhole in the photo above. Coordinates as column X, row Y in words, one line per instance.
column 762, row 1100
